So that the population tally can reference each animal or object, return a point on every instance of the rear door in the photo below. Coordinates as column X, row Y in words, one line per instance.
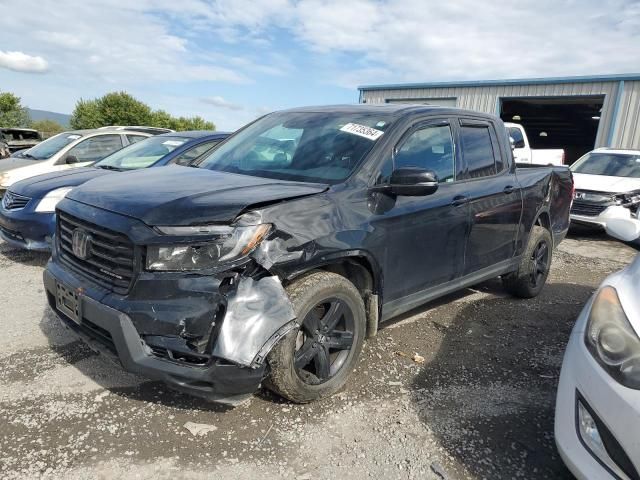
column 493, row 195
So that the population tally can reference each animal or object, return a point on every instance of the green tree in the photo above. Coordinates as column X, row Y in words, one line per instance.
column 120, row 108
column 86, row 114
column 12, row 113
column 48, row 127
column 192, row 123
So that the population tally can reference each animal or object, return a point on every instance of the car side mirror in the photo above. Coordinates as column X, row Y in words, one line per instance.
column 625, row 229
column 411, row 182
column 519, row 143
column 70, row 159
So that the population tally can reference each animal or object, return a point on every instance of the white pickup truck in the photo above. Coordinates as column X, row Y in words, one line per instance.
column 523, row 153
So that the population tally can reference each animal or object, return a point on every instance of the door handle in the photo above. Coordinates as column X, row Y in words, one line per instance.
column 509, row 189
column 459, row 200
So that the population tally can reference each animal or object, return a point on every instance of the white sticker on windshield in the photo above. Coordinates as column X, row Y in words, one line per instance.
column 73, row 137
column 173, row 143
column 362, row 131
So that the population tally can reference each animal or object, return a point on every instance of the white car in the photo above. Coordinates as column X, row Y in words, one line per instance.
column 605, row 178
column 523, row 153
column 78, row 148
column 597, row 421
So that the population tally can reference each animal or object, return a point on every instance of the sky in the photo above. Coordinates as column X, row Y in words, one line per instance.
column 232, row 61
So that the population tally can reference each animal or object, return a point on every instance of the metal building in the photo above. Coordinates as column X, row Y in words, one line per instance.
column 574, row 113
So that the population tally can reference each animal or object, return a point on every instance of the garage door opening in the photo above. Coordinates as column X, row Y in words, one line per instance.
column 570, row 123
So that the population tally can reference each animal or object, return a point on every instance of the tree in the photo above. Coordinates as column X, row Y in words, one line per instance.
column 86, row 114
column 48, row 127
column 12, row 113
column 120, row 108
column 192, row 123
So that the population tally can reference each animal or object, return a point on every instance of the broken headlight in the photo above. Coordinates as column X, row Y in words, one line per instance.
column 628, row 199
column 612, row 340
column 227, row 244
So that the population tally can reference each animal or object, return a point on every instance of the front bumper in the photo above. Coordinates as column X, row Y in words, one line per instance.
column 616, row 406
column 113, row 333
column 26, row 228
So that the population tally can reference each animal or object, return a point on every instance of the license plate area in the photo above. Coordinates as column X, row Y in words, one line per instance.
column 68, row 301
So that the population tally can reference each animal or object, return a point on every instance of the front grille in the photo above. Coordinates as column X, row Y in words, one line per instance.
column 110, row 258
column 13, row 201
column 587, row 209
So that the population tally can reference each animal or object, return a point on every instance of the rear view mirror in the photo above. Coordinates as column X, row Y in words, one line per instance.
column 625, row 229
column 411, row 181
column 70, row 159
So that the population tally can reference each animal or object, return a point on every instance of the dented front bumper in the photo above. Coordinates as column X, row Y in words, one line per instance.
column 207, row 335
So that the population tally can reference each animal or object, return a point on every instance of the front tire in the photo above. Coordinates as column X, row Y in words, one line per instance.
column 528, row 281
column 316, row 360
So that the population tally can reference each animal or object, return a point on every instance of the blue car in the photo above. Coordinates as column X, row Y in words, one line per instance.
column 27, row 214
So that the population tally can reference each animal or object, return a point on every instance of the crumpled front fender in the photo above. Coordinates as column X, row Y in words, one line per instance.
column 259, row 313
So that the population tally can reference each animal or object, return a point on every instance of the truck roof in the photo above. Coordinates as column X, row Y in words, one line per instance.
column 397, row 109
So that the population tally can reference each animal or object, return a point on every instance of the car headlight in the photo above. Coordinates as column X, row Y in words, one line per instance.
column 227, row 244
column 628, row 199
column 611, row 339
column 51, row 199
column 4, row 180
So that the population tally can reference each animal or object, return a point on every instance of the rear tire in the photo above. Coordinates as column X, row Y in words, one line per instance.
column 528, row 281
column 316, row 360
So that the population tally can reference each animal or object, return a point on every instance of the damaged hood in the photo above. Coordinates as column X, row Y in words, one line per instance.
column 178, row 195
column 605, row 183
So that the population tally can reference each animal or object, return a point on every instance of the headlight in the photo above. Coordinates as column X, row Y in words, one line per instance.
column 4, row 180
column 611, row 339
column 51, row 199
column 628, row 199
column 227, row 245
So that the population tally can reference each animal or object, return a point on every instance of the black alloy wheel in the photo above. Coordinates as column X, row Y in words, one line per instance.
column 324, row 341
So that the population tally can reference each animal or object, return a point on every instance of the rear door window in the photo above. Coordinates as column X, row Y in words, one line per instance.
column 96, row 148
column 135, row 138
column 477, row 150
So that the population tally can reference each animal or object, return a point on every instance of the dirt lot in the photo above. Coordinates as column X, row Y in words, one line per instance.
column 481, row 406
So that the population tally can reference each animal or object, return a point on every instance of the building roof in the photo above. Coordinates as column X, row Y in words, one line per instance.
column 513, row 81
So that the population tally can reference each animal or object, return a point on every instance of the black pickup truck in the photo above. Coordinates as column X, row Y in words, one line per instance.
column 287, row 246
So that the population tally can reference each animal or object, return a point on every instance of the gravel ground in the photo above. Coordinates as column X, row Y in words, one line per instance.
column 480, row 406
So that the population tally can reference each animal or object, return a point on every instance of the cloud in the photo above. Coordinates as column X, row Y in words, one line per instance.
column 21, row 62
column 222, row 103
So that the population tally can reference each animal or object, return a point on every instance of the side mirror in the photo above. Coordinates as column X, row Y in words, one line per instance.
column 70, row 159
column 519, row 143
column 625, row 229
column 411, row 181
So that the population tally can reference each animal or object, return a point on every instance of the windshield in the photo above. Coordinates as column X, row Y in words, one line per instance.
column 142, row 154
column 51, row 146
column 300, row 146
column 610, row 164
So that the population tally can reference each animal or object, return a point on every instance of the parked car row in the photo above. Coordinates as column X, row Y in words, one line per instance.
column 27, row 217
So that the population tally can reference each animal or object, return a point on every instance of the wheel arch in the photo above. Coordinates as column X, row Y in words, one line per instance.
column 361, row 269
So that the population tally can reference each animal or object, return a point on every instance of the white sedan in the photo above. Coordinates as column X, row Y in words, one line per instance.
column 604, row 179
column 597, row 422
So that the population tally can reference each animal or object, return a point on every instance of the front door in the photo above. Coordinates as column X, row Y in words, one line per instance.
column 424, row 236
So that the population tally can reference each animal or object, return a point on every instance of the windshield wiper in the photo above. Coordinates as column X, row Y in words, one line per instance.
column 109, row 167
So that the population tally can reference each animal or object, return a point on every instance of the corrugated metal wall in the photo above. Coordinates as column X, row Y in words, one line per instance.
column 627, row 128
column 485, row 99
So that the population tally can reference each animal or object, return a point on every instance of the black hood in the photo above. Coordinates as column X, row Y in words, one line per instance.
column 40, row 185
column 185, row 196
